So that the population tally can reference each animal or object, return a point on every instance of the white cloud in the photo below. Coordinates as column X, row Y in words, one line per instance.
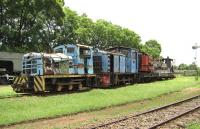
column 174, row 23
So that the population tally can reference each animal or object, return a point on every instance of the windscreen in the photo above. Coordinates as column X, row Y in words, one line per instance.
column 32, row 66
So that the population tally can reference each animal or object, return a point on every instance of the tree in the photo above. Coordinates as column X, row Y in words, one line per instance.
column 68, row 29
column 192, row 66
column 39, row 25
column 106, row 34
column 153, row 48
column 183, row 67
column 84, row 30
column 29, row 25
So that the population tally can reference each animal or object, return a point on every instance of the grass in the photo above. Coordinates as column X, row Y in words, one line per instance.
column 28, row 108
column 6, row 91
column 194, row 126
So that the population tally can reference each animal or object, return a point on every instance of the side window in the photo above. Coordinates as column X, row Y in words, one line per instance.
column 59, row 50
column 84, row 52
column 70, row 50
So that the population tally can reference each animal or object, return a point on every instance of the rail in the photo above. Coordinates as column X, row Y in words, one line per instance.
column 153, row 110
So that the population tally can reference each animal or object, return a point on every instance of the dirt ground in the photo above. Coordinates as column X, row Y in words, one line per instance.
column 80, row 119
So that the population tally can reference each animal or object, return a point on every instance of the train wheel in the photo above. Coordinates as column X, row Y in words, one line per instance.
column 70, row 87
column 80, row 86
column 59, row 88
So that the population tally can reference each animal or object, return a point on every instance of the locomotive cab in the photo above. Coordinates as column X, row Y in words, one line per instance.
column 82, row 57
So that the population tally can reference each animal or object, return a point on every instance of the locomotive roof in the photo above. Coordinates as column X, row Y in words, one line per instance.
column 121, row 47
column 54, row 56
column 85, row 46
column 111, row 53
column 79, row 45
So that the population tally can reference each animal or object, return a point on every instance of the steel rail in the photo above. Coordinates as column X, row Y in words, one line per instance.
column 139, row 114
column 174, row 118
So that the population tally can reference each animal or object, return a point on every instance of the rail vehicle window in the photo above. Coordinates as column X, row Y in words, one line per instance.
column 30, row 66
column 59, row 50
column 84, row 51
column 70, row 50
column 97, row 63
column 34, row 70
column 34, row 61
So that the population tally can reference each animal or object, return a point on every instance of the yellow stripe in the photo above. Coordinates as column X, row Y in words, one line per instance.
column 20, row 80
column 15, row 81
column 35, row 86
column 38, row 83
column 39, row 80
column 26, row 79
column 42, row 82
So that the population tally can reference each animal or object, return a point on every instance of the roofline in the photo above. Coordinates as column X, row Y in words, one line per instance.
column 79, row 45
column 123, row 48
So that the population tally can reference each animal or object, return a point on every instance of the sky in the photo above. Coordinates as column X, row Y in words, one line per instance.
column 175, row 24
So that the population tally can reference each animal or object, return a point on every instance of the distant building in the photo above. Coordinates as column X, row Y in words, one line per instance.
column 12, row 62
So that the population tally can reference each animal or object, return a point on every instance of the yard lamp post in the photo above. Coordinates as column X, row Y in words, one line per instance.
column 195, row 47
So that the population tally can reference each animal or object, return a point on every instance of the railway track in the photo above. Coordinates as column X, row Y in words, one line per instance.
column 156, row 117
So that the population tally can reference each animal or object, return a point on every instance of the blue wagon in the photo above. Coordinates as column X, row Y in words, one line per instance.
column 131, row 60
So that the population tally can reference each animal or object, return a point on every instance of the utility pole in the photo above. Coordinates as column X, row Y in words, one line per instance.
column 195, row 47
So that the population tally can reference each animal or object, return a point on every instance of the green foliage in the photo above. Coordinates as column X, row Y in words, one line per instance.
column 153, row 48
column 106, row 34
column 6, row 91
column 183, row 67
column 194, row 125
column 39, row 25
column 192, row 66
column 29, row 25
column 33, row 107
column 85, row 30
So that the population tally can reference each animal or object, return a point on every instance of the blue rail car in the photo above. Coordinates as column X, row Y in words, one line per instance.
column 131, row 56
column 82, row 57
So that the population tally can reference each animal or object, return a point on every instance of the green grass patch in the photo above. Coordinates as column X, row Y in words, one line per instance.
column 194, row 126
column 6, row 91
column 33, row 107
